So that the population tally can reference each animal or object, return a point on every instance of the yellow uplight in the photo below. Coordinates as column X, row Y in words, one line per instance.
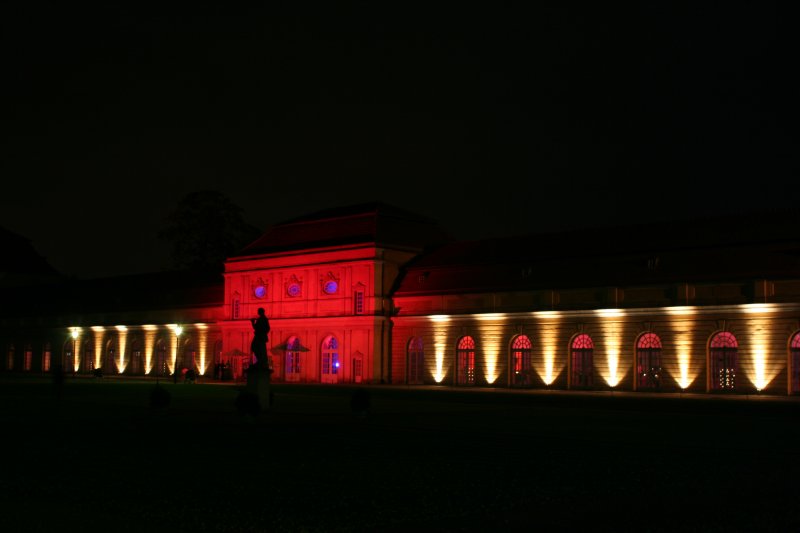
column 548, row 338
column 123, row 339
column 203, row 346
column 759, row 308
column 98, row 345
column 612, row 334
column 755, row 367
column 684, row 373
column 609, row 313
column 439, row 344
column 681, row 310
column 149, row 346
column 491, row 341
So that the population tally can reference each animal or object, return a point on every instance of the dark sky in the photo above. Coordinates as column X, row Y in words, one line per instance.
column 493, row 120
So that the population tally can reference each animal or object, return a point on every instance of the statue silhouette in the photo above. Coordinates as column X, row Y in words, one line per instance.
column 260, row 336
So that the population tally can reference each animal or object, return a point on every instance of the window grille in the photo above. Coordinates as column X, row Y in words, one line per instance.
column 582, row 375
column 648, row 361
column 358, row 302
column 465, row 357
column 723, row 356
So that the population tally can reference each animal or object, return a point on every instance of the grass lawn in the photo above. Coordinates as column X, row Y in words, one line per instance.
column 99, row 457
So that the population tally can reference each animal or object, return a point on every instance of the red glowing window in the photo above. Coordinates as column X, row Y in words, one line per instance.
column 794, row 358
column 521, row 360
column 465, row 361
column 47, row 356
column 648, row 361
column 27, row 361
column 723, row 355
column 582, row 362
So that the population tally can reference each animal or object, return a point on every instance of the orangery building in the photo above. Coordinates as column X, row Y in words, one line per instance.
column 374, row 294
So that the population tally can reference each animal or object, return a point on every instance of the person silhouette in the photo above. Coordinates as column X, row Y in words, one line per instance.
column 260, row 337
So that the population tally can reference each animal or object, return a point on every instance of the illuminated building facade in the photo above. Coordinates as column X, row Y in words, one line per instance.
column 374, row 294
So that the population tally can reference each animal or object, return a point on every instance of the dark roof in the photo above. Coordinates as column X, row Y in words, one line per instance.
column 374, row 223
column 721, row 248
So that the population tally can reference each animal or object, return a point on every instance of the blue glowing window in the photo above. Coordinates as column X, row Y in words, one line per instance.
column 330, row 287
column 293, row 289
column 260, row 291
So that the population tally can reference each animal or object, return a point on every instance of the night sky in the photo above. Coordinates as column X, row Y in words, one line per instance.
column 493, row 120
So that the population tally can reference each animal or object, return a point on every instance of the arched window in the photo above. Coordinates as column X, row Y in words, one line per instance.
column 27, row 361
column 648, row 362
column 292, row 357
column 161, row 368
column 10, row 357
column 329, row 360
column 47, row 357
column 582, row 359
column 136, row 367
column 722, row 361
column 68, row 360
column 465, row 361
column 87, row 357
column 521, row 361
column 109, row 364
column 416, row 361
column 794, row 359
column 188, row 358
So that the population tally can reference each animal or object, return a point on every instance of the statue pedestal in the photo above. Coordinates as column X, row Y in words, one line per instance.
column 258, row 384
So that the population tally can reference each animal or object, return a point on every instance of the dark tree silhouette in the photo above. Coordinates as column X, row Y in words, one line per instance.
column 204, row 229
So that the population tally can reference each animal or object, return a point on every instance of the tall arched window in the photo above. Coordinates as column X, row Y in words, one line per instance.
column 329, row 360
column 648, row 362
column 292, row 366
column 136, row 367
column 68, row 360
column 188, row 359
column 794, row 359
column 109, row 364
column 465, row 361
column 87, row 357
column 521, row 361
column 722, row 355
column 47, row 357
column 161, row 359
column 416, row 361
column 582, row 359
column 27, row 360
column 10, row 357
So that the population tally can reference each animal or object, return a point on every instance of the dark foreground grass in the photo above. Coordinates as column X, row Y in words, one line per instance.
column 99, row 457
